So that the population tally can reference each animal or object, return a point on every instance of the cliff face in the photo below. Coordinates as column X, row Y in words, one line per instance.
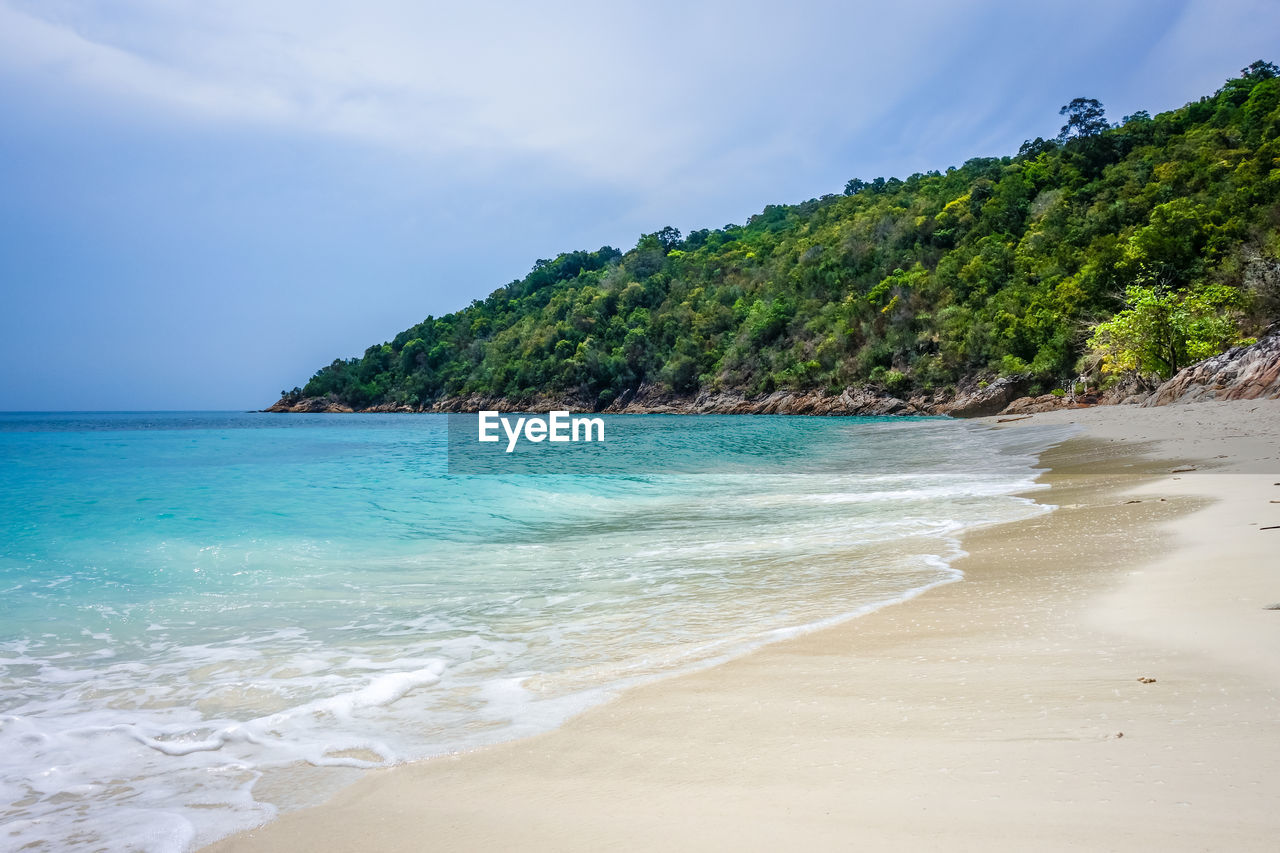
column 1241, row 373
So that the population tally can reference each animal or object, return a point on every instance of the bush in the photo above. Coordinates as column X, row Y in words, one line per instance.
column 1160, row 331
column 1011, row 365
column 895, row 380
column 681, row 374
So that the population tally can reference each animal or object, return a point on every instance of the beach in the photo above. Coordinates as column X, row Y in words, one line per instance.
column 1104, row 677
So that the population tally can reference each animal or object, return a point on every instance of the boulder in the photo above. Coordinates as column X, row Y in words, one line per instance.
column 1240, row 373
column 1132, row 390
column 1032, row 405
column 991, row 400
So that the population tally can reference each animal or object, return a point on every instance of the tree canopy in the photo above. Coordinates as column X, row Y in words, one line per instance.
column 1085, row 118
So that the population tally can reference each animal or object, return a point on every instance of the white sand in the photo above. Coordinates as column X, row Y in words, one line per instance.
column 983, row 715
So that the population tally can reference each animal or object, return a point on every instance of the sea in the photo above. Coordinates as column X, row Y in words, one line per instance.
column 207, row 617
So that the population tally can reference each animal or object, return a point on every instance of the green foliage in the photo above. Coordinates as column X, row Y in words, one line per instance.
column 1161, row 331
column 1085, row 118
column 1004, row 265
column 895, row 380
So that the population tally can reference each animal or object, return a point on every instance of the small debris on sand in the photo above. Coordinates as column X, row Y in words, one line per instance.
column 1146, row 679
column 1183, row 470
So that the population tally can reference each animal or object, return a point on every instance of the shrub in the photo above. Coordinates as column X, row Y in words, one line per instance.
column 895, row 380
column 1160, row 331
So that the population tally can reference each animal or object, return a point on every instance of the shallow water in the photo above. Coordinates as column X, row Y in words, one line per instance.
column 206, row 617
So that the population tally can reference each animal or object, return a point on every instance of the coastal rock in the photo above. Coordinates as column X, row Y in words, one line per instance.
column 312, row 405
column 1048, row 403
column 988, row 400
column 1032, row 405
column 851, row 401
column 864, row 402
column 1132, row 390
column 1240, row 373
column 484, row 402
column 390, row 407
column 650, row 399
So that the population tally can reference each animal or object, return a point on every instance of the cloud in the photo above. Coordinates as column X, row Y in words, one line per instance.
column 660, row 99
column 623, row 92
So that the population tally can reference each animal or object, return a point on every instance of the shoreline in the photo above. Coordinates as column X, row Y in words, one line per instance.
column 978, row 715
column 971, row 399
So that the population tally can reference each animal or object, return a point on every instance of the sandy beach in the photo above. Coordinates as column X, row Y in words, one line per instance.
column 1105, row 677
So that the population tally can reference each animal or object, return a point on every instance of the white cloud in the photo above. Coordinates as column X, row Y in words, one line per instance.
column 609, row 90
column 634, row 94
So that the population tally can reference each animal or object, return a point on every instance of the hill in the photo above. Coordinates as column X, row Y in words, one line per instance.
column 1114, row 252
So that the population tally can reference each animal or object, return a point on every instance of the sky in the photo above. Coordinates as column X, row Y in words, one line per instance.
column 201, row 203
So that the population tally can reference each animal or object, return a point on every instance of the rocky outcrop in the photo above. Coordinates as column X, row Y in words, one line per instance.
column 488, row 402
column 1050, row 402
column 305, row 405
column 1241, row 373
column 984, row 400
column 851, row 401
column 391, row 407
column 1132, row 390
column 652, row 400
column 1033, row 405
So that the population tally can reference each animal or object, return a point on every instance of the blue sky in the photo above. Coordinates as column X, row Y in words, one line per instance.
column 203, row 202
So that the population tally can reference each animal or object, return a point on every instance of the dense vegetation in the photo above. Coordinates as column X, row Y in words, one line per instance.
column 1136, row 246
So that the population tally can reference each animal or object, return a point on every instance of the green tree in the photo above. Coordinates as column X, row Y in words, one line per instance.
column 1085, row 118
column 1161, row 331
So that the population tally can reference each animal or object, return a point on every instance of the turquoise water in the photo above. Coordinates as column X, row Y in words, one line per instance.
column 207, row 617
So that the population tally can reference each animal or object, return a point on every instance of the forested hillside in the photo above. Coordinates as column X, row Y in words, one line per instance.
column 1133, row 247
